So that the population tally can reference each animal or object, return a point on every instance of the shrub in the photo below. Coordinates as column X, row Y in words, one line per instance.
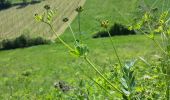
column 25, row 2
column 5, row 4
column 7, row 44
column 116, row 29
column 35, row 1
column 21, row 42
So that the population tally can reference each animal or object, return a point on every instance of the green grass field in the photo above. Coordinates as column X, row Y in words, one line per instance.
column 29, row 73
column 51, row 63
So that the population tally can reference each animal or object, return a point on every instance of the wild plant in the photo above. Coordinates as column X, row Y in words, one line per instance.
column 152, row 24
column 124, row 79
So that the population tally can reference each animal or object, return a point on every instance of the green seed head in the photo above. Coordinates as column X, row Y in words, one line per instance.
column 105, row 24
column 79, row 9
column 38, row 17
column 47, row 7
column 65, row 19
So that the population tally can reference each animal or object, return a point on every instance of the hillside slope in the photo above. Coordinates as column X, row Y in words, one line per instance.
column 19, row 19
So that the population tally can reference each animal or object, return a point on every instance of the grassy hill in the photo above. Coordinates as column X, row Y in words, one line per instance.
column 30, row 73
column 19, row 19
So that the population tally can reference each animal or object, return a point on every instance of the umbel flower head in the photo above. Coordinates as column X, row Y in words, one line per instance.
column 65, row 19
column 105, row 24
column 79, row 9
column 38, row 17
column 47, row 7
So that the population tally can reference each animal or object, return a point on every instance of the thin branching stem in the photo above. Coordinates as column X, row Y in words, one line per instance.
column 156, row 42
column 87, row 75
column 112, row 43
column 158, row 45
column 167, row 91
column 94, row 67
column 61, row 40
column 73, row 34
column 79, row 24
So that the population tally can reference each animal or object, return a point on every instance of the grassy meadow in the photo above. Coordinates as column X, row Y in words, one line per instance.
column 52, row 63
column 30, row 73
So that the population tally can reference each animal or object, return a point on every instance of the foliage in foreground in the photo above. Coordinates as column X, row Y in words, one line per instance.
column 123, row 81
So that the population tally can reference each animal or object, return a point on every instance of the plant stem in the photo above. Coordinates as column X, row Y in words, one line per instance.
column 79, row 25
column 167, row 81
column 114, row 48
column 157, row 44
column 60, row 39
column 72, row 32
column 94, row 67
column 87, row 75
column 160, row 47
column 167, row 90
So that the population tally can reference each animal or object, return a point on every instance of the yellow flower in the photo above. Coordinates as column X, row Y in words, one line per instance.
column 105, row 24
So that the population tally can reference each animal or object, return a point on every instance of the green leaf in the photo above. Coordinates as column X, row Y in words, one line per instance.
column 124, row 84
column 81, row 49
column 75, row 53
column 38, row 17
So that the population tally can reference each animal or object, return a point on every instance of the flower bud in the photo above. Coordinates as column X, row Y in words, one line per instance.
column 105, row 24
column 47, row 7
column 65, row 19
column 79, row 9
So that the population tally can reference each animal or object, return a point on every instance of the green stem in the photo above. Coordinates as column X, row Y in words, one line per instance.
column 72, row 32
column 60, row 39
column 114, row 48
column 167, row 82
column 167, row 90
column 94, row 81
column 79, row 23
column 157, row 44
column 94, row 67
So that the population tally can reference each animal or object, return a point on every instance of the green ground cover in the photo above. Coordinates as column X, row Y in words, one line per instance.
column 30, row 73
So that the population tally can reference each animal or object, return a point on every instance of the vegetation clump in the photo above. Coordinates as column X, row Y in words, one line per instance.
column 115, row 30
column 22, row 42
column 5, row 4
column 124, row 82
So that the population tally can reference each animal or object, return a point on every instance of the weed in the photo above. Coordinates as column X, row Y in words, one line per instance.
column 126, row 82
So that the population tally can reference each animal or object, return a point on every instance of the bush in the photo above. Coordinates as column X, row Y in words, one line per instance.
column 35, row 1
column 5, row 4
column 7, row 44
column 21, row 42
column 116, row 29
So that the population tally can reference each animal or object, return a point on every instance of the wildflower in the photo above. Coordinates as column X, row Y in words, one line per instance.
column 36, row 14
column 47, row 7
column 130, row 28
column 105, row 24
column 65, row 19
column 79, row 9
column 38, row 17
